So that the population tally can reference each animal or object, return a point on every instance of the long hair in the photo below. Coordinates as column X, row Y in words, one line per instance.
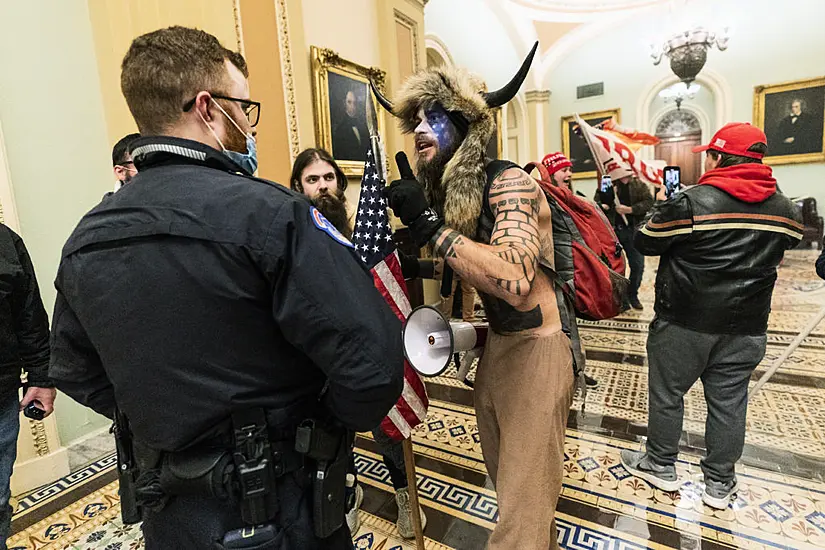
column 307, row 157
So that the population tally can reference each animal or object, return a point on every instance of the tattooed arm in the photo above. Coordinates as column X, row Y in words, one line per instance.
column 507, row 266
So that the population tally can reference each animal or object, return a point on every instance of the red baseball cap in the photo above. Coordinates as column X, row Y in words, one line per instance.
column 555, row 162
column 735, row 138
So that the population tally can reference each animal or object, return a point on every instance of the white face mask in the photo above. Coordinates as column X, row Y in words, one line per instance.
column 249, row 160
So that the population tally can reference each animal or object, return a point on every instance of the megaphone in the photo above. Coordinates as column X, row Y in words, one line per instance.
column 430, row 340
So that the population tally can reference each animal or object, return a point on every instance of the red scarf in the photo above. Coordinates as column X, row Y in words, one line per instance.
column 747, row 182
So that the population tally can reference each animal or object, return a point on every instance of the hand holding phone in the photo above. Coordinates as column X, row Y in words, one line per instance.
column 37, row 403
column 606, row 184
column 673, row 180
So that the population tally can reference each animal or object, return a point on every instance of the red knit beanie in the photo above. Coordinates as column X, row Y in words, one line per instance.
column 555, row 162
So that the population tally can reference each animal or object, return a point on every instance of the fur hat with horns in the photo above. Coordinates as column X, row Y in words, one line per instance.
column 462, row 95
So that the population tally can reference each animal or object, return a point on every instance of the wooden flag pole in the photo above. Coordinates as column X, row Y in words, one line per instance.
column 412, row 485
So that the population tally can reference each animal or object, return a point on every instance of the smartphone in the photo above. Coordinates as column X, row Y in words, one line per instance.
column 32, row 410
column 606, row 184
column 673, row 180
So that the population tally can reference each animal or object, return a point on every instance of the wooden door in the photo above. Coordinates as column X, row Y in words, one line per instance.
column 678, row 151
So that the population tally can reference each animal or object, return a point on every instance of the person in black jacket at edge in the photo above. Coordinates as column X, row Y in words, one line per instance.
column 820, row 265
column 24, row 345
column 199, row 307
column 720, row 242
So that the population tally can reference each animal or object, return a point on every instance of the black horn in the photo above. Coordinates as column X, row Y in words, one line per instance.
column 385, row 103
column 509, row 91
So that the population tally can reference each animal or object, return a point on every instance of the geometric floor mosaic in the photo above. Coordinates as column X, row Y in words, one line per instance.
column 601, row 507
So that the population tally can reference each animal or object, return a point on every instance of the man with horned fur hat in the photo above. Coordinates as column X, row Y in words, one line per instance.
column 491, row 222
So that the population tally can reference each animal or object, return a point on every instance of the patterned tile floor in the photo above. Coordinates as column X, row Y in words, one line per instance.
column 781, row 503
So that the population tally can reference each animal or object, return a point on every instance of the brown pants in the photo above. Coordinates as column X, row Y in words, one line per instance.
column 523, row 393
column 468, row 301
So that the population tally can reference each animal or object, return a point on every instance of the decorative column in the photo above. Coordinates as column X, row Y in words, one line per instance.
column 538, row 120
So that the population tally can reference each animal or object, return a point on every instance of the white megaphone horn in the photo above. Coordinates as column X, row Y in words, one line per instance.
column 430, row 340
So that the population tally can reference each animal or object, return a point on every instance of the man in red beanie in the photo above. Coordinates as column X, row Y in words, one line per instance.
column 560, row 168
column 720, row 242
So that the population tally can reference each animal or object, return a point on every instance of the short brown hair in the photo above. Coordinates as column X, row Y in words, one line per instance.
column 733, row 160
column 166, row 68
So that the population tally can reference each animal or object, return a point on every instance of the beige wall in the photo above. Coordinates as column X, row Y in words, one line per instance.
column 56, row 140
column 115, row 23
column 262, row 51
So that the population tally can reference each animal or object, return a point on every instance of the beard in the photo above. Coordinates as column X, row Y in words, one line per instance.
column 334, row 210
column 234, row 140
column 430, row 174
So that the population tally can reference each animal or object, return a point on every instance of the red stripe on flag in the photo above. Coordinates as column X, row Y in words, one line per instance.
column 392, row 431
column 379, row 284
column 417, row 384
column 395, row 267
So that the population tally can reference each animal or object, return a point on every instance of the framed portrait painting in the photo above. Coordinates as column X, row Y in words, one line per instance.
column 575, row 147
column 341, row 89
column 792, row 115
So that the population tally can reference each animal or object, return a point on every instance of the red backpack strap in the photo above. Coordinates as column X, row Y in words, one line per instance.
column 544, row 175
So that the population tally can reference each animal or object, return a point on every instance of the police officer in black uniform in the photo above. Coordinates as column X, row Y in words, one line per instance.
column 224, row 323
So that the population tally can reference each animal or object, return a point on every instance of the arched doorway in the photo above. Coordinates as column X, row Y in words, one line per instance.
column 679, row 132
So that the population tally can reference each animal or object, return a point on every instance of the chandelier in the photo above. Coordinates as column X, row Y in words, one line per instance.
column 678, row 93
column 688, row 51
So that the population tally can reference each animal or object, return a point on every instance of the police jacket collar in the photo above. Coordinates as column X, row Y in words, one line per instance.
column 152, row 151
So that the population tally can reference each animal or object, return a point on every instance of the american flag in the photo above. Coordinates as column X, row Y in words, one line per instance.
column 373, row 242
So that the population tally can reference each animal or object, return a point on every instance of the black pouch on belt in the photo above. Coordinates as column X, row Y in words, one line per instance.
column 198, row 472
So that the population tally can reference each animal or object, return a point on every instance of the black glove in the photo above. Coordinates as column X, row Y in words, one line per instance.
column 408, row 201
column 410, row 268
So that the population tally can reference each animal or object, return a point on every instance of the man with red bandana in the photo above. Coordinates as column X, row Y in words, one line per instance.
column 720, row 243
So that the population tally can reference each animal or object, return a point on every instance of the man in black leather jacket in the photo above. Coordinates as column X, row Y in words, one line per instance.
column 24, row 345
column 720, row 243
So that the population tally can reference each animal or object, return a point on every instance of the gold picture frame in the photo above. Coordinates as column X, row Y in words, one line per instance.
column 580, row 155
column 772, row 112
column 494, row 147
column 332, row 76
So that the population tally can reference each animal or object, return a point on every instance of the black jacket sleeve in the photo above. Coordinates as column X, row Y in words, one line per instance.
column 327, row 306
column 31, row 324
column 820, row 265
column 75, row 365
column 670, row 222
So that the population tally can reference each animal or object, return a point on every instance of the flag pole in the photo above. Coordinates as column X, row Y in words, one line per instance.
column 380, row 159
column 412, row 487
column 814, row 321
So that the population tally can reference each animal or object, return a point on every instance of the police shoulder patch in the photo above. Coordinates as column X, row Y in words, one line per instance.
column 324, row 225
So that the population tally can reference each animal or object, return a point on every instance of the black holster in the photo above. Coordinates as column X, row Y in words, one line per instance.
column 127, row 470
column 328, row 447
column 207, row 472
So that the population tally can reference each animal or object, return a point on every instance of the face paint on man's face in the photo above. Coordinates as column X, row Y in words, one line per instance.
column 435, row 133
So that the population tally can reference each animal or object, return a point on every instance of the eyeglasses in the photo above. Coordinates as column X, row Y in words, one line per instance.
column 127, row 166
column 252, row 109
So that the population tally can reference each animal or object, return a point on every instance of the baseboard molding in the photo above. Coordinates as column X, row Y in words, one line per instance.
column 39, row 471
column 91, row 435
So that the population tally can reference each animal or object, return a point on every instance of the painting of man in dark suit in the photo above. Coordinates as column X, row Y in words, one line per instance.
column 796, row 133
column 794, row 121
column 350, row 136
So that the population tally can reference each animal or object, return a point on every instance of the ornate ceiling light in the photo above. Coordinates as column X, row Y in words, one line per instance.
column 688, row 51
column 679, row 92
